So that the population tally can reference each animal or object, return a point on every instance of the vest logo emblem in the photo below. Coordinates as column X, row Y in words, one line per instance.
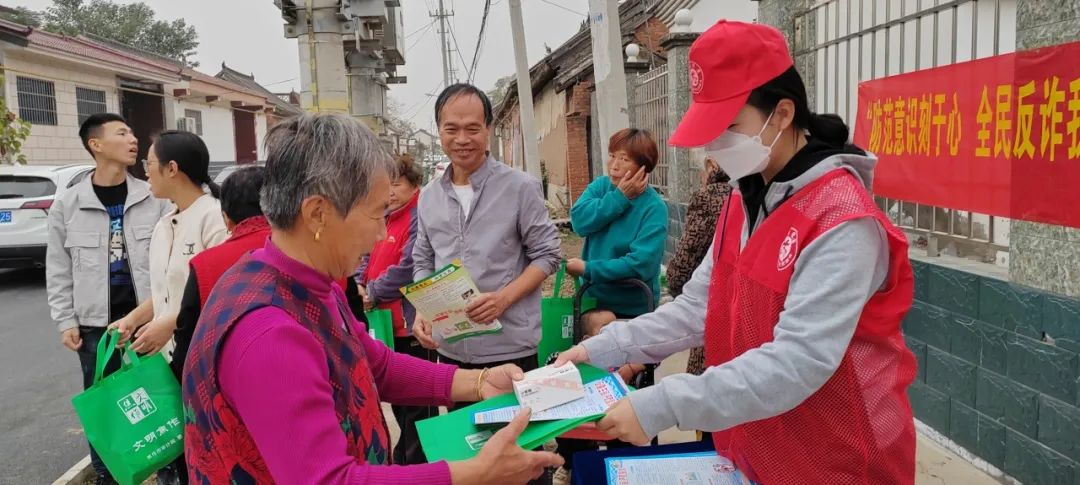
column 788, row 249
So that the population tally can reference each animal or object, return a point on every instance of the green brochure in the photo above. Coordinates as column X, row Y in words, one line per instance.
column 454, row 436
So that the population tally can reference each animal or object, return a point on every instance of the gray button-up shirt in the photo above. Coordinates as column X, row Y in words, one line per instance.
column 508, row 229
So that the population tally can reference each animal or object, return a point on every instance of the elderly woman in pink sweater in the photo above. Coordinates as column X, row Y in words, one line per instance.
column 281, row 384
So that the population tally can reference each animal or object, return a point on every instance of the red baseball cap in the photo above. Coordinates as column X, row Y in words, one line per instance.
column 727, row 62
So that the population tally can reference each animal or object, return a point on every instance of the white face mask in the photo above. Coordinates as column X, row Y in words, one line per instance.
column 741, row 155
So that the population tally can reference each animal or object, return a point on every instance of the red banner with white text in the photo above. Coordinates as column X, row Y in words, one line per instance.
column 999, row 135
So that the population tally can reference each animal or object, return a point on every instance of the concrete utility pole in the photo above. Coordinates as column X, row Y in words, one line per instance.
column 524, row 89
column 612, row 111
column 322, row 56
column 349, row 52
column 444, row 46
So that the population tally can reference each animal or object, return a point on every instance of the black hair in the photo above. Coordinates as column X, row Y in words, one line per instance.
column 91, row 128
column 240, row 193
column 828, row 128
column 463, row 89
column 190, row 154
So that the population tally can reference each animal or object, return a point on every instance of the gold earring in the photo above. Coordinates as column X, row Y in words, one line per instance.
column 318, row 232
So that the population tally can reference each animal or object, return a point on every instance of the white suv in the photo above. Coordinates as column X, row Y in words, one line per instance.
column 26, row 194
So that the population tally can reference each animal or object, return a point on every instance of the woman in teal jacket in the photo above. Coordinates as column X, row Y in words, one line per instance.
column 624, row 222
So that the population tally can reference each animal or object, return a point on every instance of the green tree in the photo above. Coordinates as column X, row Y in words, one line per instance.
column 21, row 15
column 395, row 117
column 13, row 132
column 498, row 92
column 133, row 24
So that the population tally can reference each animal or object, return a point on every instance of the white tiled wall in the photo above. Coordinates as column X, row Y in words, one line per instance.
column 60, row 144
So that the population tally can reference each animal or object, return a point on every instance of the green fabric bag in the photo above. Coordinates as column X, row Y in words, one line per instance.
column 381, row 326
column 133, row 418
column 557, row 318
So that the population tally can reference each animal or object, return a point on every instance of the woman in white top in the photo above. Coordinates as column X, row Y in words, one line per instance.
column 178, row 170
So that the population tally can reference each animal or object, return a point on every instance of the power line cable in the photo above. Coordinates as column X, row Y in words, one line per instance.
column 479, row 42
column 424, row 28
column 418, row 39
column 549, row 2
column 457, row 47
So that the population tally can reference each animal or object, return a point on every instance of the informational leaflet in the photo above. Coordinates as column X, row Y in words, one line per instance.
column 599, row 396
column 442, row 299
column 699, row 468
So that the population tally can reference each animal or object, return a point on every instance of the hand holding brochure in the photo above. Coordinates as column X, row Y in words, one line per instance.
column 443, row 297
column 599, row 396
column 454, row 436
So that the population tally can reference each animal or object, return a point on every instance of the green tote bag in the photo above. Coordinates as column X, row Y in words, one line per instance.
column 381, row 326
column 133, row 418
column 557, row 318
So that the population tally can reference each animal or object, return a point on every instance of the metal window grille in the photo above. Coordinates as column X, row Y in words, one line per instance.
column 37, row 100
column 89, row 102
column 839, row 43
column 197, row 116
column 648, row 110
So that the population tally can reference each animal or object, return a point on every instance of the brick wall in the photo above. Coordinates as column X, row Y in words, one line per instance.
column 577, row 139
column 649, row 34
column 989, row 377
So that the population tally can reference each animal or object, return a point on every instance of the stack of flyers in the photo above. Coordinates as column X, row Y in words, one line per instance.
column 599, row 396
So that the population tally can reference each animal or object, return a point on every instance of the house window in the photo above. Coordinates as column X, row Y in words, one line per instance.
column 90, row 102
column 197, row 116
column 37, row 100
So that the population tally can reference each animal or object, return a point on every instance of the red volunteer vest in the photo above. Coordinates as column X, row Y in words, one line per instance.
column 209, row 265
column 858, row 427
column 387, row 253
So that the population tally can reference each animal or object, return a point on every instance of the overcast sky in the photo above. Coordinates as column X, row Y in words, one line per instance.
column 248, row 36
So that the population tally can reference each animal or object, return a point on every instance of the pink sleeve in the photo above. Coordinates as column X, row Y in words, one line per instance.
column 403, row 379
column 273, row 373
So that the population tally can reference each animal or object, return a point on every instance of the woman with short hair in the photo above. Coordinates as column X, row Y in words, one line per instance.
column 624, row 223
column 281, row 383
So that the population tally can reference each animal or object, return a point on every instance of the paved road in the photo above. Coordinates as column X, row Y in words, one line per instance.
column 40, row 437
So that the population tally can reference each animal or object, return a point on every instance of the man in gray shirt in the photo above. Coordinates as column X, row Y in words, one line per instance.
column 493, row 218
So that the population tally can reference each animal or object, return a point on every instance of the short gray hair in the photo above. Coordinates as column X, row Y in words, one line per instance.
column 325, row 154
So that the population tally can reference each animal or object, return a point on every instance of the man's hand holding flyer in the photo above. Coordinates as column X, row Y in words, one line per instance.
column 443, row 297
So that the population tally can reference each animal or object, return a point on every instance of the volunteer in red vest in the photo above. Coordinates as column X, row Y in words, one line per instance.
column 798, row 303
column 248, row 230
column 385, row 270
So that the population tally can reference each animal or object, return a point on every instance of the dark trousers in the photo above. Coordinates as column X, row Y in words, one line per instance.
column 91, row 336
column 408, row 450
column 526, row 363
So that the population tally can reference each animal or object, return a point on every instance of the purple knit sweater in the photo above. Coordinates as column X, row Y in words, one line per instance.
column 274, row 373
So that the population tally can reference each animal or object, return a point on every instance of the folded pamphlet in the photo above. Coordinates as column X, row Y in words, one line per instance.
column 443, row 297
column 549, row 386
column 599, row 396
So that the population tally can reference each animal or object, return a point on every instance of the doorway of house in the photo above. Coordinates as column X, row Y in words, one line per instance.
column 244, row 128
column 145, row 114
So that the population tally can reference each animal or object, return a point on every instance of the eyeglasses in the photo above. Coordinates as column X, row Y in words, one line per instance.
column 145, row 165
